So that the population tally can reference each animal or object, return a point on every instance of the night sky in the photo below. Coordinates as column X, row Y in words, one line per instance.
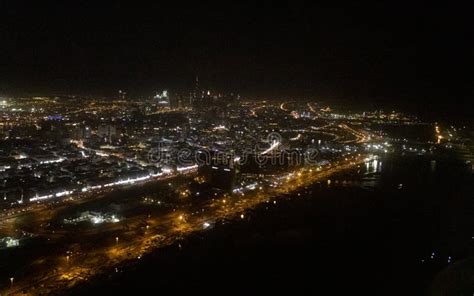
column 377, row 54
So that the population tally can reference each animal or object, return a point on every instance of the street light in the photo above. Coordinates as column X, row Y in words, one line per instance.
column 11, row 282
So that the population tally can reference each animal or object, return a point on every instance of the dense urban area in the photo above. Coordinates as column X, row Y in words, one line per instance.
column 89, row 185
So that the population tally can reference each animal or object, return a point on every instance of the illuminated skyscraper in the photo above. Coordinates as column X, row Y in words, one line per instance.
column 163, row 98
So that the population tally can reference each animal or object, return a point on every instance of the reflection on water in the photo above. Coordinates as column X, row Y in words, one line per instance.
column 373, row 166
column 371, row 175
column 397, row 172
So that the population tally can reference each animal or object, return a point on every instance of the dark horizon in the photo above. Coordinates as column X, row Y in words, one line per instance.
column 377, row 55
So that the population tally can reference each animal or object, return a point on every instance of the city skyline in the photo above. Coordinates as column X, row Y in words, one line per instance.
column 359, row 53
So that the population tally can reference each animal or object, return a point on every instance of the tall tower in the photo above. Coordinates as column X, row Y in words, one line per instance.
column 195, row 95
column 196, row 88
